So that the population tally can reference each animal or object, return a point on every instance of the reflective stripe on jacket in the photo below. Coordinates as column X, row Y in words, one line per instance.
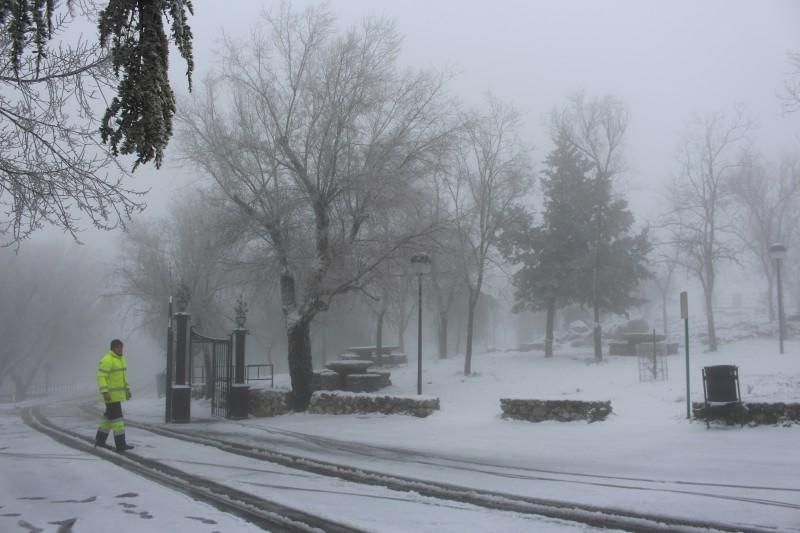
column 112, row 376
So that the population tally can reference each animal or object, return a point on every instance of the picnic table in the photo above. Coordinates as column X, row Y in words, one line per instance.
column 631, row 341
column 388, row 356
column 352, row 375
column 371, row 352
column 640, row 337
column 350, row 366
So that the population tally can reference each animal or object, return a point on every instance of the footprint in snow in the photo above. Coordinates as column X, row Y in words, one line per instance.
column 90, row 499
column 203, row 520
column 30, row 527
column 127, row 495
column 65, row 526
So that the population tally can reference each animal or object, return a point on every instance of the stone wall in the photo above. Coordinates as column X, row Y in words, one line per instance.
column 346, row 403
column 749, row 413
column 326, row 380
column 561, row 410
column 268, row 402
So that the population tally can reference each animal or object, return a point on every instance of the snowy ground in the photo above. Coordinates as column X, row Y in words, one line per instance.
column 44, row 483
column 646, row 457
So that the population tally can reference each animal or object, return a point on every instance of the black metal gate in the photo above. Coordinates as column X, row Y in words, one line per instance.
column 221, row 370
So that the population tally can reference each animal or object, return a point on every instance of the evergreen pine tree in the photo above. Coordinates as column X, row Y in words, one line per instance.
column 139, row 118
column 556, row 257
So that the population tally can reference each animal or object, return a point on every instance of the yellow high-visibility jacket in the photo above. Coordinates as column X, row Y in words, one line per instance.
column 112, row 376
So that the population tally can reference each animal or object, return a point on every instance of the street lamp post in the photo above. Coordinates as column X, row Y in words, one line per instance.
column 420, row 265
column 778, row 251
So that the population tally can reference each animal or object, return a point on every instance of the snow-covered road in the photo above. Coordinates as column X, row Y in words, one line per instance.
column 98, row 493
column 645, row 458
column 44, row 483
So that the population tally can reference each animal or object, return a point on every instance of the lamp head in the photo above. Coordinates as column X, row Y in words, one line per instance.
column 777, row 251
column 421, row 263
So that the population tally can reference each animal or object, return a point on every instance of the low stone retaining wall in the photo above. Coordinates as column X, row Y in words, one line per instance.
column 326, row 380
column 561, row 410
column 347, row 403
column 268, row 402
column 750, row 413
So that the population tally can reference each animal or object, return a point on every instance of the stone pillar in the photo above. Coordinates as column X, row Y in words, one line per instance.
column 240, row 391
column 181, row 347
column 239, row 340
column 181, row 390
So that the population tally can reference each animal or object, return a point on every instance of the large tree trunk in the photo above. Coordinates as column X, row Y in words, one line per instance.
column 712, row 332
column 20, row 389
column 664, row 314
column 401, row 338
column 379, row 334
column 548, row 336
column 442, row 335
column 597, row 336
column 300, row 364
column 459, row 331
column 708, row 292
column 473, row 301
column 597, row 333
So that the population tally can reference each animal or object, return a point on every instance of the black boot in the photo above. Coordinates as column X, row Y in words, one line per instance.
column 100, row 439
column 122, row 446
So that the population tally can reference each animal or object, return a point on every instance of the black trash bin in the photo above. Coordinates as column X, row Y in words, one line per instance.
column 721, row 383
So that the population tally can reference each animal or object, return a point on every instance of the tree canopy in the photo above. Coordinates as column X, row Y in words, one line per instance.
column 556, row 256
column 54, row 167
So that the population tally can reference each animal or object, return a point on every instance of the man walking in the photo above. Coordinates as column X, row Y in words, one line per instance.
column 112, row 381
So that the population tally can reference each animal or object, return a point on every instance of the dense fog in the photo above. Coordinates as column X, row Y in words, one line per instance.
column 557, row 161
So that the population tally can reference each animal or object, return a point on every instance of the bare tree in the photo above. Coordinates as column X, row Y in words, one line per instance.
column 317, row 137
column 791, row 96
column 769, row 201
column 445, row 282
column 700, row 195
column 663, row 266
column 196, row 250
column 384, row 288
column 492, row 169
column 54, row 169
column 195, row 246
column 596, row 128
column 448, row 267
column 52, row 313
column 399, row 307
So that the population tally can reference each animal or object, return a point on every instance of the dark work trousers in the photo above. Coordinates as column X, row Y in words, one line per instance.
column 112, row 420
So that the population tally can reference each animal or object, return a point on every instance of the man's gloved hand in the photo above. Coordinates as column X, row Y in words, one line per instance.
column 129, row 394
column 107, row 397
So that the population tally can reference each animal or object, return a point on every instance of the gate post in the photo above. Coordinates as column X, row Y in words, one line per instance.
column 181, row 391
column 240, row 390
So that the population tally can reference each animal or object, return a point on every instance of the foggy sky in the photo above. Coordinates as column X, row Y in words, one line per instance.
column 665, row 60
